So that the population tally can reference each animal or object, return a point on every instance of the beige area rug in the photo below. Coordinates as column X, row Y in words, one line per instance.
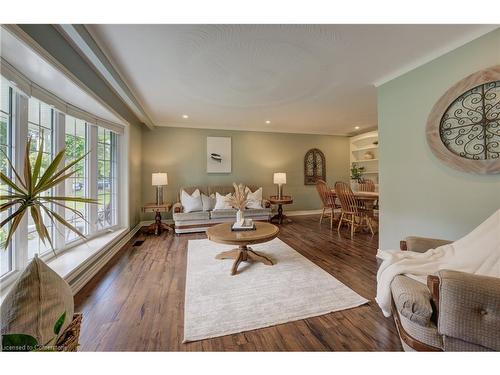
column 219, row 304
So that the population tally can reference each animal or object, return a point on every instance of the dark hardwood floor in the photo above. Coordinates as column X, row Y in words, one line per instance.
column 136, row 303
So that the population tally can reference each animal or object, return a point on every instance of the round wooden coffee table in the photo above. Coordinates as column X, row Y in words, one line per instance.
column 222, row 233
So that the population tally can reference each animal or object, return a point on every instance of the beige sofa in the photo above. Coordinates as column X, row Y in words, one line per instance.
column 456, row 311
column 199, row 221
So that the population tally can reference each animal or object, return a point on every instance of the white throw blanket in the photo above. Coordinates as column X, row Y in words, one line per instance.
column 477, row 253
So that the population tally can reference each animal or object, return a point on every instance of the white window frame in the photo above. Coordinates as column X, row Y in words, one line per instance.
column 19, row 137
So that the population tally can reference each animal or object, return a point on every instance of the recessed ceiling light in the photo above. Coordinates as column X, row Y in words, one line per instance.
column 356, row 128
column 268, row 122
column 185, row 116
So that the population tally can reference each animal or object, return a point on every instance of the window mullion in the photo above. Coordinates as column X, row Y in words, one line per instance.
column 60, row 189
column 20, row 139
column 92, row 176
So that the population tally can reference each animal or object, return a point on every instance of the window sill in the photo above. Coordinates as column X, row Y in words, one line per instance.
column 72, row 262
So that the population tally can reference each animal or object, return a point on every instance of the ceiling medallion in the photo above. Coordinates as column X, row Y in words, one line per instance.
column 463, row 128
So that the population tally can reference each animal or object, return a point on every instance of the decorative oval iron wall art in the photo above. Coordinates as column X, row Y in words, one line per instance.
column 314, row 166
column 463, row 128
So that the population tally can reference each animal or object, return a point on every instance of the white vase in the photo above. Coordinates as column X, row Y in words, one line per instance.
column 239, row 216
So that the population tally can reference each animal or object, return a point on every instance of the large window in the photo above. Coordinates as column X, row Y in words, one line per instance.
column 77, row 185
column 106, row 178
column 6, row 145
column 96, row 176
column 40, row 124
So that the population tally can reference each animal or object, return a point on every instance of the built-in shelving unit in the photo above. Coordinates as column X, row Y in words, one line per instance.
column 364, row 153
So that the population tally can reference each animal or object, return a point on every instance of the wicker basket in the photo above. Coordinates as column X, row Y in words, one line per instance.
column 68, row 342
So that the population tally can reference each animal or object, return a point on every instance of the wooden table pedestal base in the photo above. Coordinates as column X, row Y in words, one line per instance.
column 243, row 254
column 157, row 227
column 280, row 217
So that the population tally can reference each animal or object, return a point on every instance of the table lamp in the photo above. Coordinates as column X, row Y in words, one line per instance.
column 159, row 180
column 280, row 179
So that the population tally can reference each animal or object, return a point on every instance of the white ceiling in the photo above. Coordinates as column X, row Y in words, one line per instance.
column 303, row 78
column 44, row 74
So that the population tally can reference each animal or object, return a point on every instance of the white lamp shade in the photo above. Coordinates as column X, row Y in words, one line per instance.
column 159, row 179
column 280, row 178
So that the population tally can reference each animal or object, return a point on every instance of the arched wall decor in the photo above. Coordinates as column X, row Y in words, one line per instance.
column 463, row 128
column 314, row 166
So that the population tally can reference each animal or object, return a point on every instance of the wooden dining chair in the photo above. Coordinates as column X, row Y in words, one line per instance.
column 368, row 185
column 328, row 200
column 352, row 212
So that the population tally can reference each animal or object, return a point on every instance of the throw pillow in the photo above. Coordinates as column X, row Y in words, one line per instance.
column 255, row 198
column 208, row 202
column 191, row 203
column 221, row 202
column 35, row 302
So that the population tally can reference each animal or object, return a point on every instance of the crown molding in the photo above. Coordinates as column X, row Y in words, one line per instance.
column 87, row 46
column 25, row 38
column 485, row 29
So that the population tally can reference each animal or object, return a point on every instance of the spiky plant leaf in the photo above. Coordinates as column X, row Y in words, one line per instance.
column 18, row 178
column 26, row 193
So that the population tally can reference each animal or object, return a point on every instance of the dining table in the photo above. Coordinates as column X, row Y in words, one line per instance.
column 368, row 198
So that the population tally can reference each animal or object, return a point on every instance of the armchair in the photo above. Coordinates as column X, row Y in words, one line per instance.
column 457, row 311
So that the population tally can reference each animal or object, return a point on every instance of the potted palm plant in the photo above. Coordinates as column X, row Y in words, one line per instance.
column 29, row 193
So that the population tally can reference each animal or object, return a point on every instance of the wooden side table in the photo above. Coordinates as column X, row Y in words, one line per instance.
column 285, row 199
column 157, row 227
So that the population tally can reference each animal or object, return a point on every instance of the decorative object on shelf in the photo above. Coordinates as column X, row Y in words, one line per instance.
column 314, row 166
column 279, row 178
column 368, row 156
column 218, row 154
column 27, row 194
column 159, row 180
column 239, row 200
column 463, row 129
column 357, row 173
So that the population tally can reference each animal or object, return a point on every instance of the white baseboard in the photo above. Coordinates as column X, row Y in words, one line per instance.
column 101, row 260
column 303, row 212
column 145, row 223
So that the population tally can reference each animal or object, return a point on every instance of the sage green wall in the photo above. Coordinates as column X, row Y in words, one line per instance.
column 255, row 156
column 419, row 194
column 135, row 182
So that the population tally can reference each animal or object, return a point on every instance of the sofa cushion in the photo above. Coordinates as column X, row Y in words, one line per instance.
column 412, row 300
column 253, row 212
column 254, row 198
column 35, row 302
column 208, row 202
column 223, row 214
column 221, row 202
column 189, row 216
column 191, row 203
column 231, row 213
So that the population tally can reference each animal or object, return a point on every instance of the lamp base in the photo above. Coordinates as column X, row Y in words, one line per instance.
column 280, row 191
column 159, row 195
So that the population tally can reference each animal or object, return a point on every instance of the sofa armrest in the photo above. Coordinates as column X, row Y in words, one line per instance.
column 469, row 308
column 412, row 300
column 177, row 208
column 421, row 244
